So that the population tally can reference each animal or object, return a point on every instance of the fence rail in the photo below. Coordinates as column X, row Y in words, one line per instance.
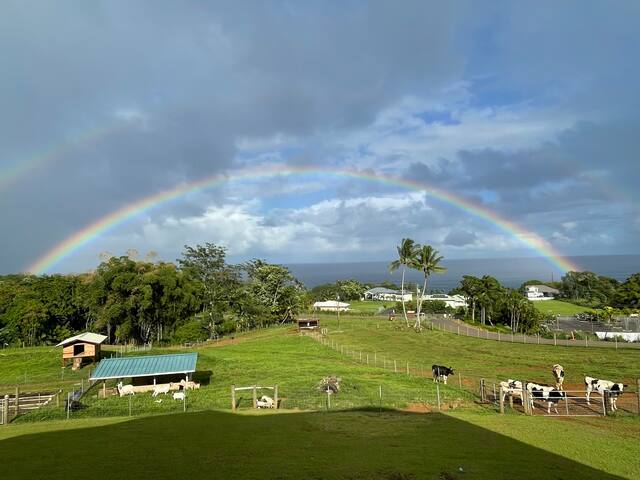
column 460, row 328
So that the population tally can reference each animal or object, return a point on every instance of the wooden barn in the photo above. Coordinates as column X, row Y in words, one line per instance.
column 79, row 348
column 308, row 324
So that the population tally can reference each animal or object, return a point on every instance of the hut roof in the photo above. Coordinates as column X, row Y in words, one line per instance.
column 86, row 337
column 150, row 365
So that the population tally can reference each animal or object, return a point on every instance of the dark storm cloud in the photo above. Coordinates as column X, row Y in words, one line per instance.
column 460, row 238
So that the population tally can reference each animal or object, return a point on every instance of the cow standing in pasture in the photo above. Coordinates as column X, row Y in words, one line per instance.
column 602, row 386
column 440, row 372
column 548, row 394
column 558, row 374
column 513, row 388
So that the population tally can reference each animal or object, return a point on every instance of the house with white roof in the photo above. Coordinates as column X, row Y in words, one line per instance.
column 540, row 292
column 331, row 306
column 453, row 301
column 386, row 294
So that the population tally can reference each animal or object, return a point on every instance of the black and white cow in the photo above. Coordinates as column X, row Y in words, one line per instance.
column 601, row 386
column 440, row 372
column 548, row 394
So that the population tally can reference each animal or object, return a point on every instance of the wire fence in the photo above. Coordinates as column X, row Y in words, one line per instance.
column 460, row 328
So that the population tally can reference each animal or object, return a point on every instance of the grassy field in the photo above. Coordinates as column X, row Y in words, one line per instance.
column 369, row 307
column 557, row 307
column 337, row 445
column 392, row 439
column 474, row 357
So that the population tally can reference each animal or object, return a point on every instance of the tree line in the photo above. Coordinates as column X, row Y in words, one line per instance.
column 200, row 296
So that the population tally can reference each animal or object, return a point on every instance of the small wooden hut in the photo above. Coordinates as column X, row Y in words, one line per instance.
column 308, row 324
column 78, row 348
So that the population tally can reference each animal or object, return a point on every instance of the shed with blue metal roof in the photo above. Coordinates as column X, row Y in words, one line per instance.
column 183, row 364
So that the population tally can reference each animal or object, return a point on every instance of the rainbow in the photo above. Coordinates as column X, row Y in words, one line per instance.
column 14, row 172
column 84, row 236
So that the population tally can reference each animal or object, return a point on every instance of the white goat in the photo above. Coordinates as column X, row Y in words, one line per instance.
column 189, row 385
column 163, row 388
column 178, row 396
column 265, row 402
column 125, row 389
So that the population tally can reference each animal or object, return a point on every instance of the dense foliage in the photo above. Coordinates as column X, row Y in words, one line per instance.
column 141, row 301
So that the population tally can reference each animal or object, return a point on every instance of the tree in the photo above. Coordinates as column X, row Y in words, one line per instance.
column 427, row 260
column 488, row 296
column 406, row 254
column 206, row 264
column 471, row 287
column 628, row 294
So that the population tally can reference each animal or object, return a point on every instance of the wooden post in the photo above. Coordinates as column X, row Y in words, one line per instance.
column 511, row 401
column 482, row 398
column 501, row 402
column 17, row 402
column 233, row 398
column 460, row 379
column 494, row 392
column 438, row 395
column 328, row 399
column 566, row 403
column 68, row 404
column 555, row 340
column 525, row 398
column 604, row 403
column 255, row 397
column 104, row 389
column 275, row 395
column 380, row 397
column 615, row 337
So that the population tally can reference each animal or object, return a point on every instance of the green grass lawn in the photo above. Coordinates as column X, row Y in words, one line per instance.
column 369, row 307
column 473, row 357
column 336, row 445
column 558, row 307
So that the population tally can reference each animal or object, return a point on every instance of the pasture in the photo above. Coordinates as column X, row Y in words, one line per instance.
column 336, row 445
column 558, row 307
column 359, row 437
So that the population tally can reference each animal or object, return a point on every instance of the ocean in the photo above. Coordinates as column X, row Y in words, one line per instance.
column 511, row 272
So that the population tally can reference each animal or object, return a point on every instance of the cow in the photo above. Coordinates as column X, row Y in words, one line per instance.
column 548, row 394
column 513, row 388
column 602, row 386
column 558, row 374
column 441, row 372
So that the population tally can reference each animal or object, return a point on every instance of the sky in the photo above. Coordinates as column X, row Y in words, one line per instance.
column 527, row 109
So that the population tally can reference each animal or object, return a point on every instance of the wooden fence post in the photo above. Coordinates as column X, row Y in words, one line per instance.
column 438, row 395
column 460, row 379
column 233, row 398
column 501, row 402
column 17, row 402
column 255, row 397
column 525, row 399
column 555, row 340
column 482, row 397
column 275, row 395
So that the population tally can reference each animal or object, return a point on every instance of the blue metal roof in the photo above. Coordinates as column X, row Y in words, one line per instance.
column 125, row 367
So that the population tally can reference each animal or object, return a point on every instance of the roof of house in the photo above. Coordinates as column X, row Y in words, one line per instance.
column 146, row 366
column 545, row 288
column 87, row 337
column 377, row 290
column 331, row 303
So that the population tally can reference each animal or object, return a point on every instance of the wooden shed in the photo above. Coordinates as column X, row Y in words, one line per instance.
column 81, row 347
column 308, row 324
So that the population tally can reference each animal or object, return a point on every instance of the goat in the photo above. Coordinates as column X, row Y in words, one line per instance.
column 163, row 388
column 178, row 396
column 125, row 389
column 265, row 402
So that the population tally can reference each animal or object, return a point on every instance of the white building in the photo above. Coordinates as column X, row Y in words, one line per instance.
column 331, row 306
column 540, row 292
column 453, row 301
column 385, row 294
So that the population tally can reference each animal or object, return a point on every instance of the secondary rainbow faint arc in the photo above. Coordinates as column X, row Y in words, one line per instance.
column 82, row 237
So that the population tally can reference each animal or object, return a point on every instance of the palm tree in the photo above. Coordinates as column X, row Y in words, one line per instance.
column 406, row 255
column 488, row 296
column 427, row 260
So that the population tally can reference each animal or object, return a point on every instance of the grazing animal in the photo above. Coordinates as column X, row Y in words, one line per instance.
column 189, row 385
column 512, row 388
column 601, row 386
column 163, row 388
column 265, row 402
column 558, row 374
column 178, row 396
column 548, row 394
column 440, row 372
column 125, row 389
